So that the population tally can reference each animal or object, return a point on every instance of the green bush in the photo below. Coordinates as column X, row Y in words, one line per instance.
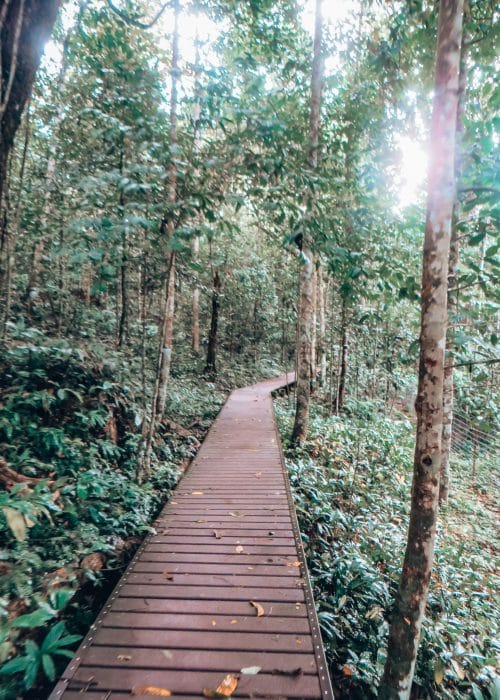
column 351, row 483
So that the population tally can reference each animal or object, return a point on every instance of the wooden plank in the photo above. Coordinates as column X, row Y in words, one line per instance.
column 198, row 660
column 213, row 623
column 139, row 590
column 207, row 607
column 187, row 639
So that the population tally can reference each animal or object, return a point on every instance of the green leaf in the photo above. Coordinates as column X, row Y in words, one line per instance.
column 31, row 673
column 69, row 639
column 20, row 663
column 61, row 597
column 34, row 619
column 48, row 667
column 52, row 638
column 476, row 692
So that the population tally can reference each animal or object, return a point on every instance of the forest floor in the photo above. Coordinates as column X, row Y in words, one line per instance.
column 352, row 482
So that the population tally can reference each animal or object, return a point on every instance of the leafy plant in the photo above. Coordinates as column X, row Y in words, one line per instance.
column 40, row 658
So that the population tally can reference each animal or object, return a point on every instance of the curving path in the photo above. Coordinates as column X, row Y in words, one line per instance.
column 221, row 587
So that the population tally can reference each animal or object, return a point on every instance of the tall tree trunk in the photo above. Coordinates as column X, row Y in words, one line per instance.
column 448, row 386
column 210, row 367
column 11, row 233
column 406, row 622
column 123, row 282
column 195, row 306
column 344, row 354
column 306, row 317
column 25, row 26
column 166, row 329
column 322, row 298
column 314, row 329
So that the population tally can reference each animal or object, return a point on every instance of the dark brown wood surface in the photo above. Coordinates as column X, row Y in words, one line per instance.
column 222, row 585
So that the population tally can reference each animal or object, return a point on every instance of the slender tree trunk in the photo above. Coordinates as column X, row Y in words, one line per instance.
column 123, row 282
column 195, row 308
column 322, row 298
column 448, row 386
column 166, row 333
column 210, row 367
column 306, row 317
column 314, row 329
column 167, row 330
column 344, row 355
column 406, row 619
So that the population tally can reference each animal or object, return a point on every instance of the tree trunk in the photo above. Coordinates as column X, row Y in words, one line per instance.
column 25, row 26
column 168, row 336
column 195, row 307
column 322, row 297
column 123, row 282
column 344, row 354
column 406, row 622
column 210, row 367
column 11, row 234
column 314, row 330
column 448, row 386
column 306, row 317
column 167, row 328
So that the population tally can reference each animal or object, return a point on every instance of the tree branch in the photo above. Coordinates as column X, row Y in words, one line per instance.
column 133, row 20
column 476, row 362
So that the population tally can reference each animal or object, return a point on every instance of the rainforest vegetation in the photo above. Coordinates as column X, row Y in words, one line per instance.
column 200, row 193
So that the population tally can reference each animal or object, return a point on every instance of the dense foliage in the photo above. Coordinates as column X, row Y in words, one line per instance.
column 73, row 510
column 350, row 483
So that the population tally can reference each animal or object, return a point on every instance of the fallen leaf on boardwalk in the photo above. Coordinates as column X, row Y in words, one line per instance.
column 239, row 549
column 173, row 503
column 236, row 514
column 257, row 474
column 251, row 670
column 168, row 654
column 213, row 623
column 152, row 690
column 347, row 670
column 294, row 672
column 293, row 563
column 217, row 535
column 196, row 493
column 124, row 657
column 233, row 622
column 225, row 688
column 169, row 577
column 201, row 520
column 258, row 607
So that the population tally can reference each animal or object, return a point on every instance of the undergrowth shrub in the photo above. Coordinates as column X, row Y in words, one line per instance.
column 71, row 507
column 351, row 482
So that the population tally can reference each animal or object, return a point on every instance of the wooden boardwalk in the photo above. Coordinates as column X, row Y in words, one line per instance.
column 221, row 587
